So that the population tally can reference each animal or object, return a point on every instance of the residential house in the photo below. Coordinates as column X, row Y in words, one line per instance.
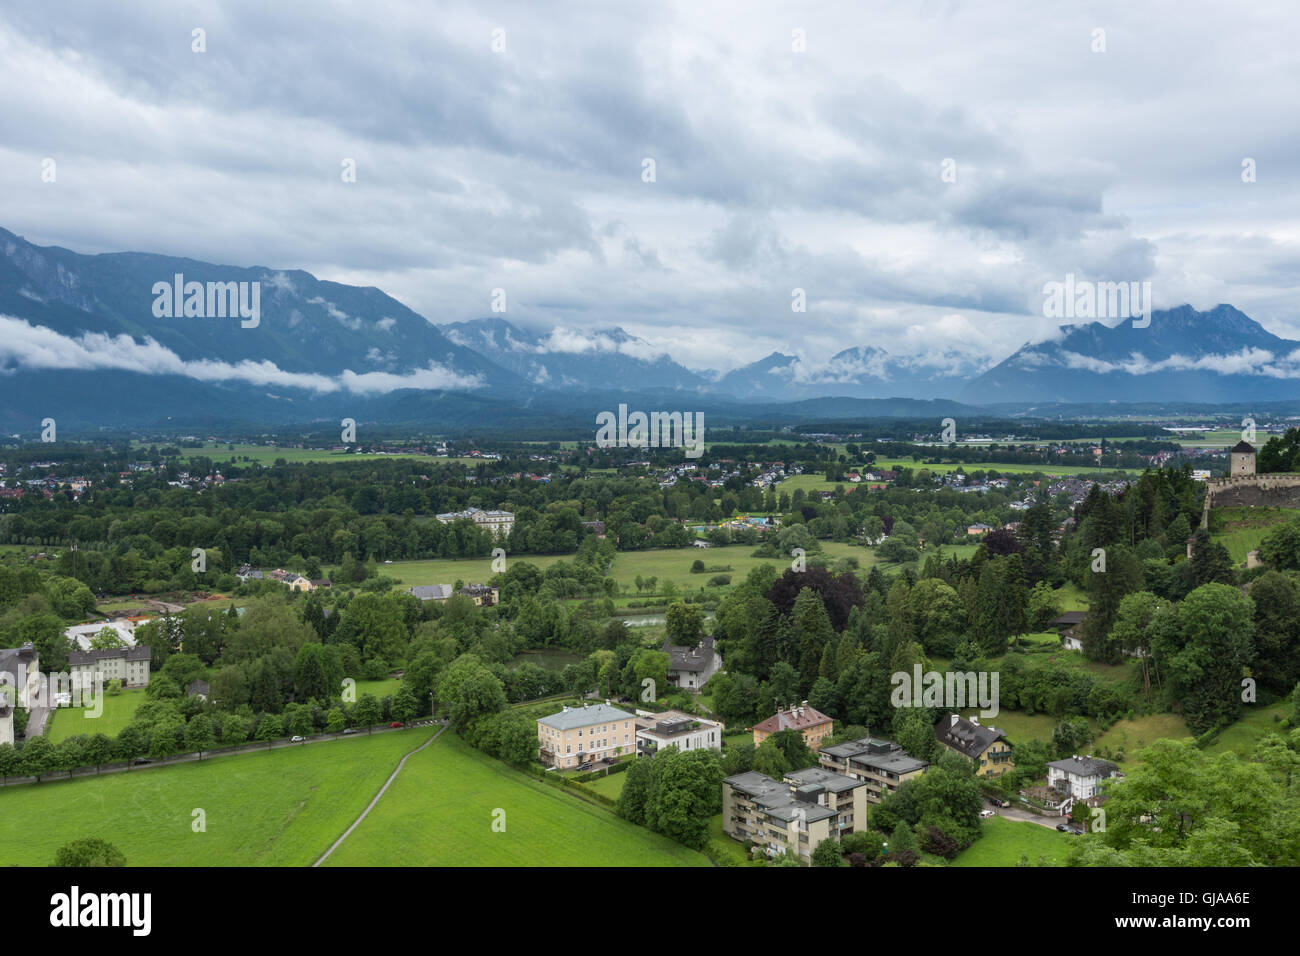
column 1079, row 776
column 578, row 735
column 691, row 667
column 432, row 592
column 484, row 595
column 130, row 665
column 986, row 747
column 882, row 764
column 672, row 728
column 1070, row 625
column 794, row 814
column 812, row 723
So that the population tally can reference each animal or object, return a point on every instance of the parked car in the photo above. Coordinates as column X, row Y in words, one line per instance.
column 297, row 740
column 583, row 767
column 142, row 760
column 987, row 813
column 1063, row 827
column 349, row 730
column 396, row 723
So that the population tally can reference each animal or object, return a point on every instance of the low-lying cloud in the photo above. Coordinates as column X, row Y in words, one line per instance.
column 27, row 346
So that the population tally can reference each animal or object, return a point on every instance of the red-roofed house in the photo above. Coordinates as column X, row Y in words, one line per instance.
column 812, row 723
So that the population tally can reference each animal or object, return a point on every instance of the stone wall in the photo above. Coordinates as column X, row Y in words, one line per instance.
column 1251, row 491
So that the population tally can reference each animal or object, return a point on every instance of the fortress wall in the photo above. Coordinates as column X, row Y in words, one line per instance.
column 1251, row 491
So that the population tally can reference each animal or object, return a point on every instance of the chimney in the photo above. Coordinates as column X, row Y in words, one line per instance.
column 954, row 721
column 803, row 703
column 974, row 719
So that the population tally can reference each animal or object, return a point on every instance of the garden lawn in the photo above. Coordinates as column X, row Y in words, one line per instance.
column 118, row 711
column 610, row 785
column 1003, row 842
column 441, row 809
column 263, row 808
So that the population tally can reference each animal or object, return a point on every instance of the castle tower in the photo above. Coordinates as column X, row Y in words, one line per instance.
column 1242, row 459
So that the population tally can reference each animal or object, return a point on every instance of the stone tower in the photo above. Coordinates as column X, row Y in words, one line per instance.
column 1242, row 459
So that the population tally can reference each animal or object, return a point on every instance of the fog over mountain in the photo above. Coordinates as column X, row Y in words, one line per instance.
column 83, row 334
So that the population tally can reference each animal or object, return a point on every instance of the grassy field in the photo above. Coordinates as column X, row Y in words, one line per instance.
column 893, row 463
column 451, row 570
column 610, row 786
column 1140, row 732
column 1018, row 726
column 263, row 808
column 1216, row 439
column 118, row 711
column 220, row 453
column 380, row 688
column 440, row 812
column 1003, row 842
column 1243, row 736
column 1240, row 530
column 665, row 564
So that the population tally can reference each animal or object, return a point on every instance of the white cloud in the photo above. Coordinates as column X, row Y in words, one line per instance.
column 27, row 346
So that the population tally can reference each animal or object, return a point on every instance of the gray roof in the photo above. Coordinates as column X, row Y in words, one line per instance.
column 827, row 780
column 966, row 737
column 432, row 592
column 16, row 660
column 875, row 754
column 777, row 799
column 1085, row 766
column 697, row 657
column 572, row 717
column 141, row 652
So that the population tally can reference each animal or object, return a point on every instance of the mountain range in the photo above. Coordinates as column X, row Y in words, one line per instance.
column 83, row 339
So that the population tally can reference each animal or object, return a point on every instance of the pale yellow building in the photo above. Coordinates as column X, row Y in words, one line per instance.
column 579, row 735
column 986, row 747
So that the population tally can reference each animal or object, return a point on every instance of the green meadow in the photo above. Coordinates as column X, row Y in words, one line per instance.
column 442, row 808
column 118, row 711
column 279, row 807
column 1003, row 842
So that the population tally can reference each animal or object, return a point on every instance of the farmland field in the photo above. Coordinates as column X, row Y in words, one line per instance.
column 263, row 808
column 666, row 564
column 67, row 722
column 1008, row 469
column 441, row 808
column 267, row 455
column 1003, row 842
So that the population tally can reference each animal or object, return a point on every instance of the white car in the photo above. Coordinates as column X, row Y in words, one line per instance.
column 987, row 813
column 297, row 740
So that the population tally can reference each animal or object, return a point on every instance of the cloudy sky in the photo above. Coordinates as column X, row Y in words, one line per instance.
column 501, row 145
